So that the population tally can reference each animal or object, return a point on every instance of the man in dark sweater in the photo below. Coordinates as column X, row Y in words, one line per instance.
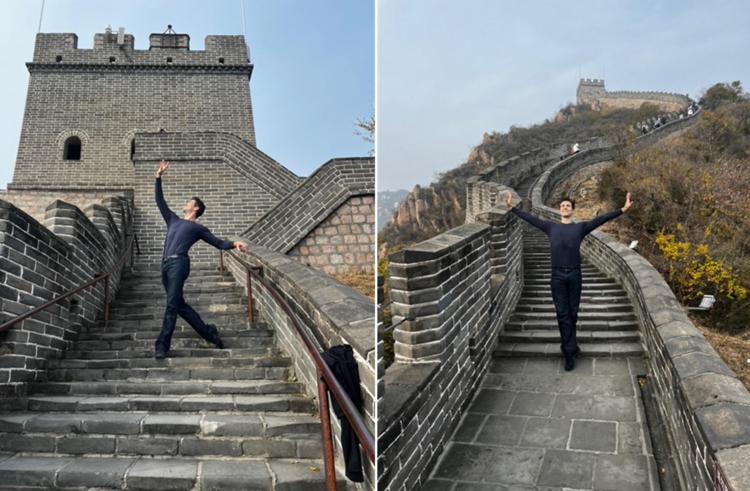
column 182, row 233
column 565, row 247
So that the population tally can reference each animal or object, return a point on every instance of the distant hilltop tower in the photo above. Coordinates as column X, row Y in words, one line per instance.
column 84, row 106
column 592, row 92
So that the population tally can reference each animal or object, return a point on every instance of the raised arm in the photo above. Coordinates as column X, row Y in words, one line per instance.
column 168, row 214
column 535, row 221
column 590, row 225
column 596, row 222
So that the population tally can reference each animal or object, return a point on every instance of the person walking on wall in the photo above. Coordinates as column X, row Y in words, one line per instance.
column 566, row 280
column 182, row 233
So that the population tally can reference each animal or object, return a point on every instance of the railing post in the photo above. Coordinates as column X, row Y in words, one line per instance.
column 249, row 284
column 106, row 301
column 325, row 426
column 221, row 261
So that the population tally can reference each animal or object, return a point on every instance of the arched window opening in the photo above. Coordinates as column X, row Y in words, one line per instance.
column 72, row 148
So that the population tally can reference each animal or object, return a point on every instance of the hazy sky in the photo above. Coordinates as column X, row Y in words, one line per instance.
column 448, row 71
column 313, row 76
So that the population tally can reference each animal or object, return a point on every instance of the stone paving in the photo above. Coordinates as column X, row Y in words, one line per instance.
column 534, row 426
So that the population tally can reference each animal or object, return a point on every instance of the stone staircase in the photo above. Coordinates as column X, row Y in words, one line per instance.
column 110, row 416
column 606, row 326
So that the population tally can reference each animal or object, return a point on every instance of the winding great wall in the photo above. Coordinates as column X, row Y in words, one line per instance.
column 477, row 395
column 84, row 404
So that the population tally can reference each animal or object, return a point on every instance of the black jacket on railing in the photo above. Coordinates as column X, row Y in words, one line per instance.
column 340, row 359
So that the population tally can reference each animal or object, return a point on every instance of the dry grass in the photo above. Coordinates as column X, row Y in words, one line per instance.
column 364, row 283
column 734, row 349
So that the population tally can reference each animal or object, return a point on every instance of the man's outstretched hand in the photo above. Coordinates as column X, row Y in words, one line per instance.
column 163, row 166
column 508, row 200
column 242, row 246
column 628, row 203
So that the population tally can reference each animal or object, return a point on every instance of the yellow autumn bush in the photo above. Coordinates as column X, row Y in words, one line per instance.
column 692, row 272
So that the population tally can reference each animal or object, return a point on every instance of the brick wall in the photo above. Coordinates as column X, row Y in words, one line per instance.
column 307, row 206
column 41, row 261
column 451, row 296
column 35, row 202
column 704, row 408
column 236, row 181
column 334, row 314
column 107, row 94
column 344, row 242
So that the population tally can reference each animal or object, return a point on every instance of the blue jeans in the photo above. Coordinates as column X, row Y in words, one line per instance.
column 566, row 294
column 174, row 272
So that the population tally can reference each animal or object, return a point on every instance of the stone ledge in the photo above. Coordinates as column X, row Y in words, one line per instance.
column 403, row 384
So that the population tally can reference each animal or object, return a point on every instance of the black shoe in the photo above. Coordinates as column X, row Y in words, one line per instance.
column 577, row 351
column 570, row 363
column 215, row 335
column 160, row 354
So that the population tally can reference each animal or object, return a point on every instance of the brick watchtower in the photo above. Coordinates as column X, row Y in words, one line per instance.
column 84, row 106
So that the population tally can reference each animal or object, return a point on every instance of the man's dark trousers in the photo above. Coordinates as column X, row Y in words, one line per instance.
column 566, row 293
column 174, row 272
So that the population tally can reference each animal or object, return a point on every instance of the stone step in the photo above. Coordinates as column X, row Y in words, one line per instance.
column 177, row 403
column 582, row 316
column 229, row 321
column 274, row 359
column 546, row 276
column 527, row 306
column 585, row 300
column 199, row 302
column 591, row 283
column 162, row 434
column 550, row 336
column 586, row 288
column 270, row 368
column 174, row 353
column 546, row 267
column 150, row 313
column 581, row 325
column 134, row 335
column 142, row 473
column 218, row 387
column 153, row 291
column 194, row 342
column 155, row 276
column 553, row 349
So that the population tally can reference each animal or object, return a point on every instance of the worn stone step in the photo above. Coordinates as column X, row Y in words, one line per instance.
column 174, row 353
column 582, row 316
column 177, row 403
column 101, row 334
column 269, row 368
column 536, row 275
column 113, row 387
column 267, row 425
column 581, row 325
column 189, row 289
column 586, row 290
column 221, row 321
column 525, row 306
column 142, row 473
column 548, row 336
column 198, row 301
column 553, row 349
column 273, row 359
column 155, row 276
column 585, row 300
column 158, row 313
column 178, row 342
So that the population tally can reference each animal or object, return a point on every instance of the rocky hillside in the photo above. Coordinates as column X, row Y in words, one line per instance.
column 388, row 201
column 428, row 211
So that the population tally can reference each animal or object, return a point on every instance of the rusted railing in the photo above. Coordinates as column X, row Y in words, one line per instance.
column 327, row 381
column 99, row 277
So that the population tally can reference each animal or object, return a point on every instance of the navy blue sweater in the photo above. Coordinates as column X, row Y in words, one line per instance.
column 182, row 234
column 565, row 238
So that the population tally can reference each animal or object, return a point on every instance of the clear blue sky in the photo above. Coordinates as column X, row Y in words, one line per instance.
column 314, row 72
column 448, row 71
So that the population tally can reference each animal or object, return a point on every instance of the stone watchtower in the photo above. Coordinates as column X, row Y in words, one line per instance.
column 84, row 106
column 590, row 90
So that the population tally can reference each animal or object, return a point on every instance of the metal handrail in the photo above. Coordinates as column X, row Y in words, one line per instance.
column 326, row 379
column 100, row 276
